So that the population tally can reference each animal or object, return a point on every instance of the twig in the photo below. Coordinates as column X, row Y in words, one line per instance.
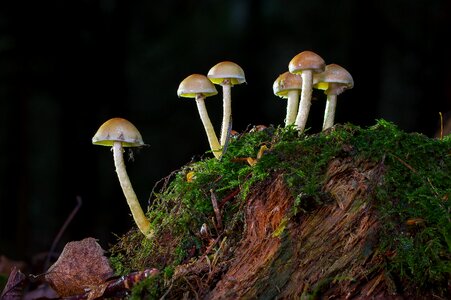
column 167, row 291
column 165, row 181
column 441, row 125
column 404, row 163
column 214, row 201
column 216, row 255
column 15, row 285
column 229, row 197
column 62, row 230
column 376, row 282
column 117, row 287
column 215, row 241
column 192, row 288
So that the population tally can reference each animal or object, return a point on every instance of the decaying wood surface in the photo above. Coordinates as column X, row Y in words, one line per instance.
column 329, row 250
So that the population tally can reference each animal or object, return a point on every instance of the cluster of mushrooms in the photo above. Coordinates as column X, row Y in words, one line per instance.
column 198, row 86
column 307, row 70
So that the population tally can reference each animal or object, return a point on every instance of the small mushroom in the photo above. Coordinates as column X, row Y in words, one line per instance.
column 288, row 86
column 226, row 74
column 119, row 133
column 306, row 64
column 198, row 86
column 334, row 80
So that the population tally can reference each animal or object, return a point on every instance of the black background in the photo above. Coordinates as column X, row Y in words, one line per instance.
column 68, row 66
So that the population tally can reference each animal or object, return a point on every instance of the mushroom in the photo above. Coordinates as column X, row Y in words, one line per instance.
column 119, row 133
column 198, row 86
column 334, row 80
column 226, row 74
column 288, row 86
column 305, row 63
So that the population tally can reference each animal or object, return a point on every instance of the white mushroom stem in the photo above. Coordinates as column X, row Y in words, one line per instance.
column 329, row 112
column 211, row 135
column 138, row 215
column 227, row 109
column 306, row 98
column 292, row 107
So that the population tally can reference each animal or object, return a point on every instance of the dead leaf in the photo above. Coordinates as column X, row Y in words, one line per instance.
column 81, row 266
column 262, row 151
column 190, row 176
column 415, row 221
column 97, row 291
column 14, row 286
column 251, row 161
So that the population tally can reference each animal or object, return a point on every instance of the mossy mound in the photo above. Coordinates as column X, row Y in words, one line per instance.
column 201, row 214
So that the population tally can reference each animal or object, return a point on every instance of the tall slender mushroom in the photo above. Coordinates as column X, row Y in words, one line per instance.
column 305, row 63
column 119, row 133
column 334, row 80
column 198, row 86
column 288, row 86
column 226, row 74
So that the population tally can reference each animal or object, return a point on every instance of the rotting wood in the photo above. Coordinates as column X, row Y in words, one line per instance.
column 329, row 249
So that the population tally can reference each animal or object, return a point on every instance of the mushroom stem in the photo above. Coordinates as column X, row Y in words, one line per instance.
column 227, row 109
column 211, row 135
column 292, row 106
column 329, row 112
column 138, row 215
column 306, row 97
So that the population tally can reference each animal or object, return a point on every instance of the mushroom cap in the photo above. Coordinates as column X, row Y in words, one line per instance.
column 226, row 70
column 334, row 80
column 194, row 85
column 306, row 60
column 118, row 130
column 286, row 82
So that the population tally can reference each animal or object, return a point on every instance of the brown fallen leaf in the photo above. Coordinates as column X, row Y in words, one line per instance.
column 81, row 266
column 15, row 285
column 415, row 221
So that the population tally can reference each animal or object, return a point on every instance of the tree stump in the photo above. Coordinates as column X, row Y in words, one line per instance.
column 349, row 213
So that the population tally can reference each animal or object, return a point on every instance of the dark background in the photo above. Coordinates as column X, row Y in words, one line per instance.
column 68, row 66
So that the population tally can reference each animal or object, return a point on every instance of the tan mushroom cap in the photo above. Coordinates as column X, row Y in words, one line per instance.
column 118, row 130
column 194, row 85
column 286, row 82
column 335, row 79
column 226, row 70
column 306, row 60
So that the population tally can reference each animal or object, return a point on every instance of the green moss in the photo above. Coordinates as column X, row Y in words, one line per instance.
column 414, row 205
column 116, row 262
column 146, row 289
column 416, row 188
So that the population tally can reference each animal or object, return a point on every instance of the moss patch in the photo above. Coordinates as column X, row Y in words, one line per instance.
column 412, row 201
